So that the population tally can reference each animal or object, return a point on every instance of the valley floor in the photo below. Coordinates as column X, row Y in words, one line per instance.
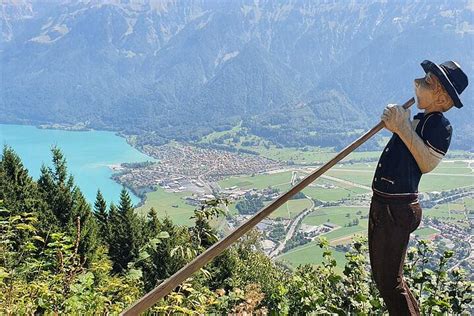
column 335, row 206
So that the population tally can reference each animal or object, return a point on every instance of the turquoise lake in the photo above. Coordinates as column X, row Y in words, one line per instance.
column 89, row 155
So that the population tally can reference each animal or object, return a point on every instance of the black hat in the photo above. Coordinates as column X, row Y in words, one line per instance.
column 451, row 76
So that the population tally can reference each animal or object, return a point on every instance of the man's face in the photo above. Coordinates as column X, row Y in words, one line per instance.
column 430, row 94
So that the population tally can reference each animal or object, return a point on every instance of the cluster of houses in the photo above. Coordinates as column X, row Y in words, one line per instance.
column 192, row 161
column 179, row 167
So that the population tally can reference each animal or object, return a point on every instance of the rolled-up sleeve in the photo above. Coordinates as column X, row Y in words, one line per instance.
column 436, row 132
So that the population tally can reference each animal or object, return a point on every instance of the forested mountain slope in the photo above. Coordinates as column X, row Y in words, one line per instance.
column 185, row 68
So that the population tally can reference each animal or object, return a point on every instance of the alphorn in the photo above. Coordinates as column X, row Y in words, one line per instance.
column 176, row 279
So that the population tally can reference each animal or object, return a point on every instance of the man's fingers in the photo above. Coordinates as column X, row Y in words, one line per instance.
column 408, row 112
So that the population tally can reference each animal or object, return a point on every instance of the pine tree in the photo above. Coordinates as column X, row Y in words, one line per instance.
column 153, row 224
column 48, row 219
column 67, row 204
column 113, row 213
column 19, row 192
column 125, row 206
column 83, row 219
column 17, row 189
column 125, row 234
column 112, row 219
column 57, row 188
column 100, row 212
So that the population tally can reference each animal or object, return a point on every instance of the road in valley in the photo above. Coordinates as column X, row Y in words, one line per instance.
column 292, row 229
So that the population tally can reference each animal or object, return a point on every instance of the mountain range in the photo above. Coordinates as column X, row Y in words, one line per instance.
column 296, row 72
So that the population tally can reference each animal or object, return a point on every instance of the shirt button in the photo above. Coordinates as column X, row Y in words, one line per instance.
column 375, row 179
column 386, row 150
column 380, row 165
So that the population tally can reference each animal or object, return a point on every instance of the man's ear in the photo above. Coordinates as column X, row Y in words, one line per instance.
column 444, row 101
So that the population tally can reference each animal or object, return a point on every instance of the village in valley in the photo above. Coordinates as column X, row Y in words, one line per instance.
column 184, row 176
column 183, row 167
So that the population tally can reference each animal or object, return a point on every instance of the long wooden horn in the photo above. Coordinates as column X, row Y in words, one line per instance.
column 176, row 279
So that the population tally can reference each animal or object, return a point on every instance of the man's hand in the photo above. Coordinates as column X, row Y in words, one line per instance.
column 396, row 118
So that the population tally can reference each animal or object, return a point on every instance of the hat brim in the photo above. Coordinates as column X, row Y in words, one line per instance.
column 429, row 66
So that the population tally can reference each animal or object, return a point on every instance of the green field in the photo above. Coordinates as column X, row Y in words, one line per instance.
column 335, row 215
column 312, row 155
column 363, row 177
column 335, row 193
column 341, row 216
column 171, row 204
column 448, row 175
column 311, row 253
column 456, row 167
column 432, row 182
column 450, row 212
column 291, row 208
column 237, row 136
column 425, row 232
column 344, row 232
column 469, row 203
column 259, row 181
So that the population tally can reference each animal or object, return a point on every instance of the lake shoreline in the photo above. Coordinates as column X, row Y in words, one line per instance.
column 92, row 157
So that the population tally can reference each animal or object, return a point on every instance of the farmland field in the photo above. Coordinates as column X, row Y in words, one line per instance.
column 449, row 212
column 334, row 215
column 327, row 190
column 305, row 155
column 313, row 155
column 345, row 232
column 439, row 182
column 259, row 181
column 356, row 175
column 425, row 232
column 448, row 175
column 469, row 203
column 171, row 204
column 291, row 208
column 311, row 254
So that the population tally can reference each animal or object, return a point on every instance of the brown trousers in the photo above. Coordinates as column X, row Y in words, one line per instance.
column 390, row 223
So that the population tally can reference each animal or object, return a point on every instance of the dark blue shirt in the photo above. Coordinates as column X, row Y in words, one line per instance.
column 397, row 172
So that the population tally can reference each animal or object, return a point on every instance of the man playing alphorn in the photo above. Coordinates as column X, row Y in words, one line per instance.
column 416, row 147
